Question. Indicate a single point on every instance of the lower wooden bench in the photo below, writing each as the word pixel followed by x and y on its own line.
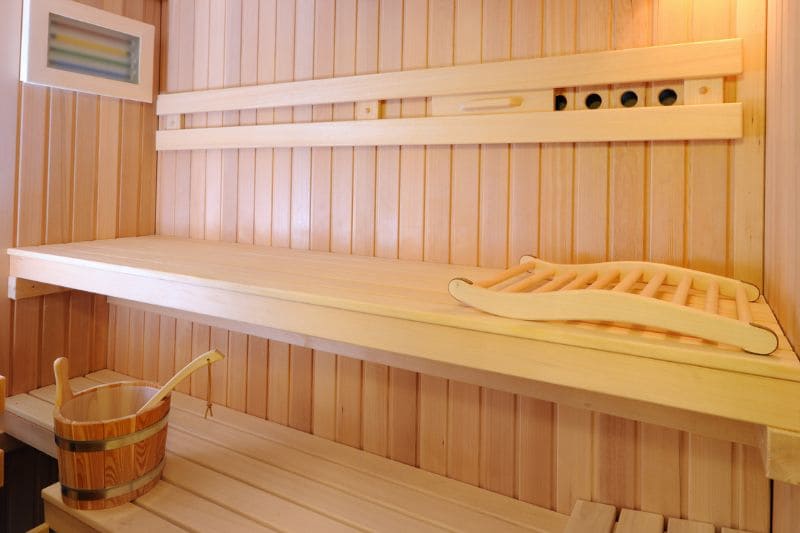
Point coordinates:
pixel 236 472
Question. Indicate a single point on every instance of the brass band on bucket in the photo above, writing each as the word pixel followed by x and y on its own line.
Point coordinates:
pixel 112 443
pixel 116 490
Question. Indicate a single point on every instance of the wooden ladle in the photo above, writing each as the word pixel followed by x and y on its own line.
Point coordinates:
pixel 203 359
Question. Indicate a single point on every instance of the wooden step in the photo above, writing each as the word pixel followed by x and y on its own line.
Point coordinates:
pixel 238 472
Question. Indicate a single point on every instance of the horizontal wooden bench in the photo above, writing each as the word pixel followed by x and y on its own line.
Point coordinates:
pixel 399 313
pixel 236 472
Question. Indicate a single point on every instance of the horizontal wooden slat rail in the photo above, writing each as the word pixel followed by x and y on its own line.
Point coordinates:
pixel 712 121
pixel 706 59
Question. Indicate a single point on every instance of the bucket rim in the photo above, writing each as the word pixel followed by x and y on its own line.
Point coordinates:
pixel 58 416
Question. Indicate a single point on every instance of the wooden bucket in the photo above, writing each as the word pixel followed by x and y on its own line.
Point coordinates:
pixel 107 454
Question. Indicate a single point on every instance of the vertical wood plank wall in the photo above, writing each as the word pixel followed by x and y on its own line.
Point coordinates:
pixel 782 223
pixel 84 168
pixel 683 203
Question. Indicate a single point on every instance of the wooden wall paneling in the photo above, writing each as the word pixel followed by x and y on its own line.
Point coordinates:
pixel 363 222
pixel 200 343
pixel 183 11
pixel 573 456
pixel 660 470
pixel 152 341
pixel 167 342
pixel 493 190
pixel 323 394
pixel 497 465
pixel 782 238
pixel 344 64
pixel 387 186
pixel 432 430
pixel 101 326
pixel 535 439
pixel 219 340
pixel 615 450
pixel 557 171
pixel 197 159
pixel 108 137
pixel 83 225
pixel 710 461
pixel 58 219
pixel 403 384
pixel 85 167
pixel 112 337
pixel 523 201
pixel 79 343
pixel 282 177
pixel 245 194
pixel 633 27
pixel 238 367
pixel 751 489
pixel 573 426
pixel 262 202
pixel 710 480
pixel 375 431
pixel 667 186
pixel 278 382
pixel 591 187
pixel 463 410
pixel 257 370
pixel 320 204
pixel 348 371
pixel 122 322
pixel 146 225
pixel 183 353
pixel 130 153
pixel 301 363
pixel 165 213
pixel 707 173
pixel 348 401
pixel 10 94
pixel 230 158
pixel 278 385
pixel 135 360
pixel 660 474
pixel 786 515
pixel 464 219
pixel 216 79
pixel 424 203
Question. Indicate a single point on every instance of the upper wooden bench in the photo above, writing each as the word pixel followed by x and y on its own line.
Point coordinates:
pixel 399 313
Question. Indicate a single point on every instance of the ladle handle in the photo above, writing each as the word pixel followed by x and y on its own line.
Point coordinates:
pixel 203 359
pixel 63 388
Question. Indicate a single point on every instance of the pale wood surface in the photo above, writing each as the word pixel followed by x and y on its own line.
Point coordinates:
pixel 591 516
pixel 709 121
pixel 66 169
pixel 687 60
pixel 639 522
pixel 397 295
pixel 676 525
pixel 649 214
pixel 250 473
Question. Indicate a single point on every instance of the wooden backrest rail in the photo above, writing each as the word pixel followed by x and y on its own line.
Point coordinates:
pixel 707 59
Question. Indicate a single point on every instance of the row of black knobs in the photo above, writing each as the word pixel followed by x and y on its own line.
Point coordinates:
pixel 627 99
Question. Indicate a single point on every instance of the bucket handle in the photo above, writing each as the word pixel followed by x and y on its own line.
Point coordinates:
pixel 63 388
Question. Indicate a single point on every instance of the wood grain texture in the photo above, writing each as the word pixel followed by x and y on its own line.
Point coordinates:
pixel 782 192
pixel 433 203
pixel 782 238
pixel 84 169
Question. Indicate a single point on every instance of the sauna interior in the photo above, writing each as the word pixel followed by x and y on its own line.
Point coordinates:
pixel 356 393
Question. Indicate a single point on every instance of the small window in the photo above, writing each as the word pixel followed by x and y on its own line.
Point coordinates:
pixel 74 46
